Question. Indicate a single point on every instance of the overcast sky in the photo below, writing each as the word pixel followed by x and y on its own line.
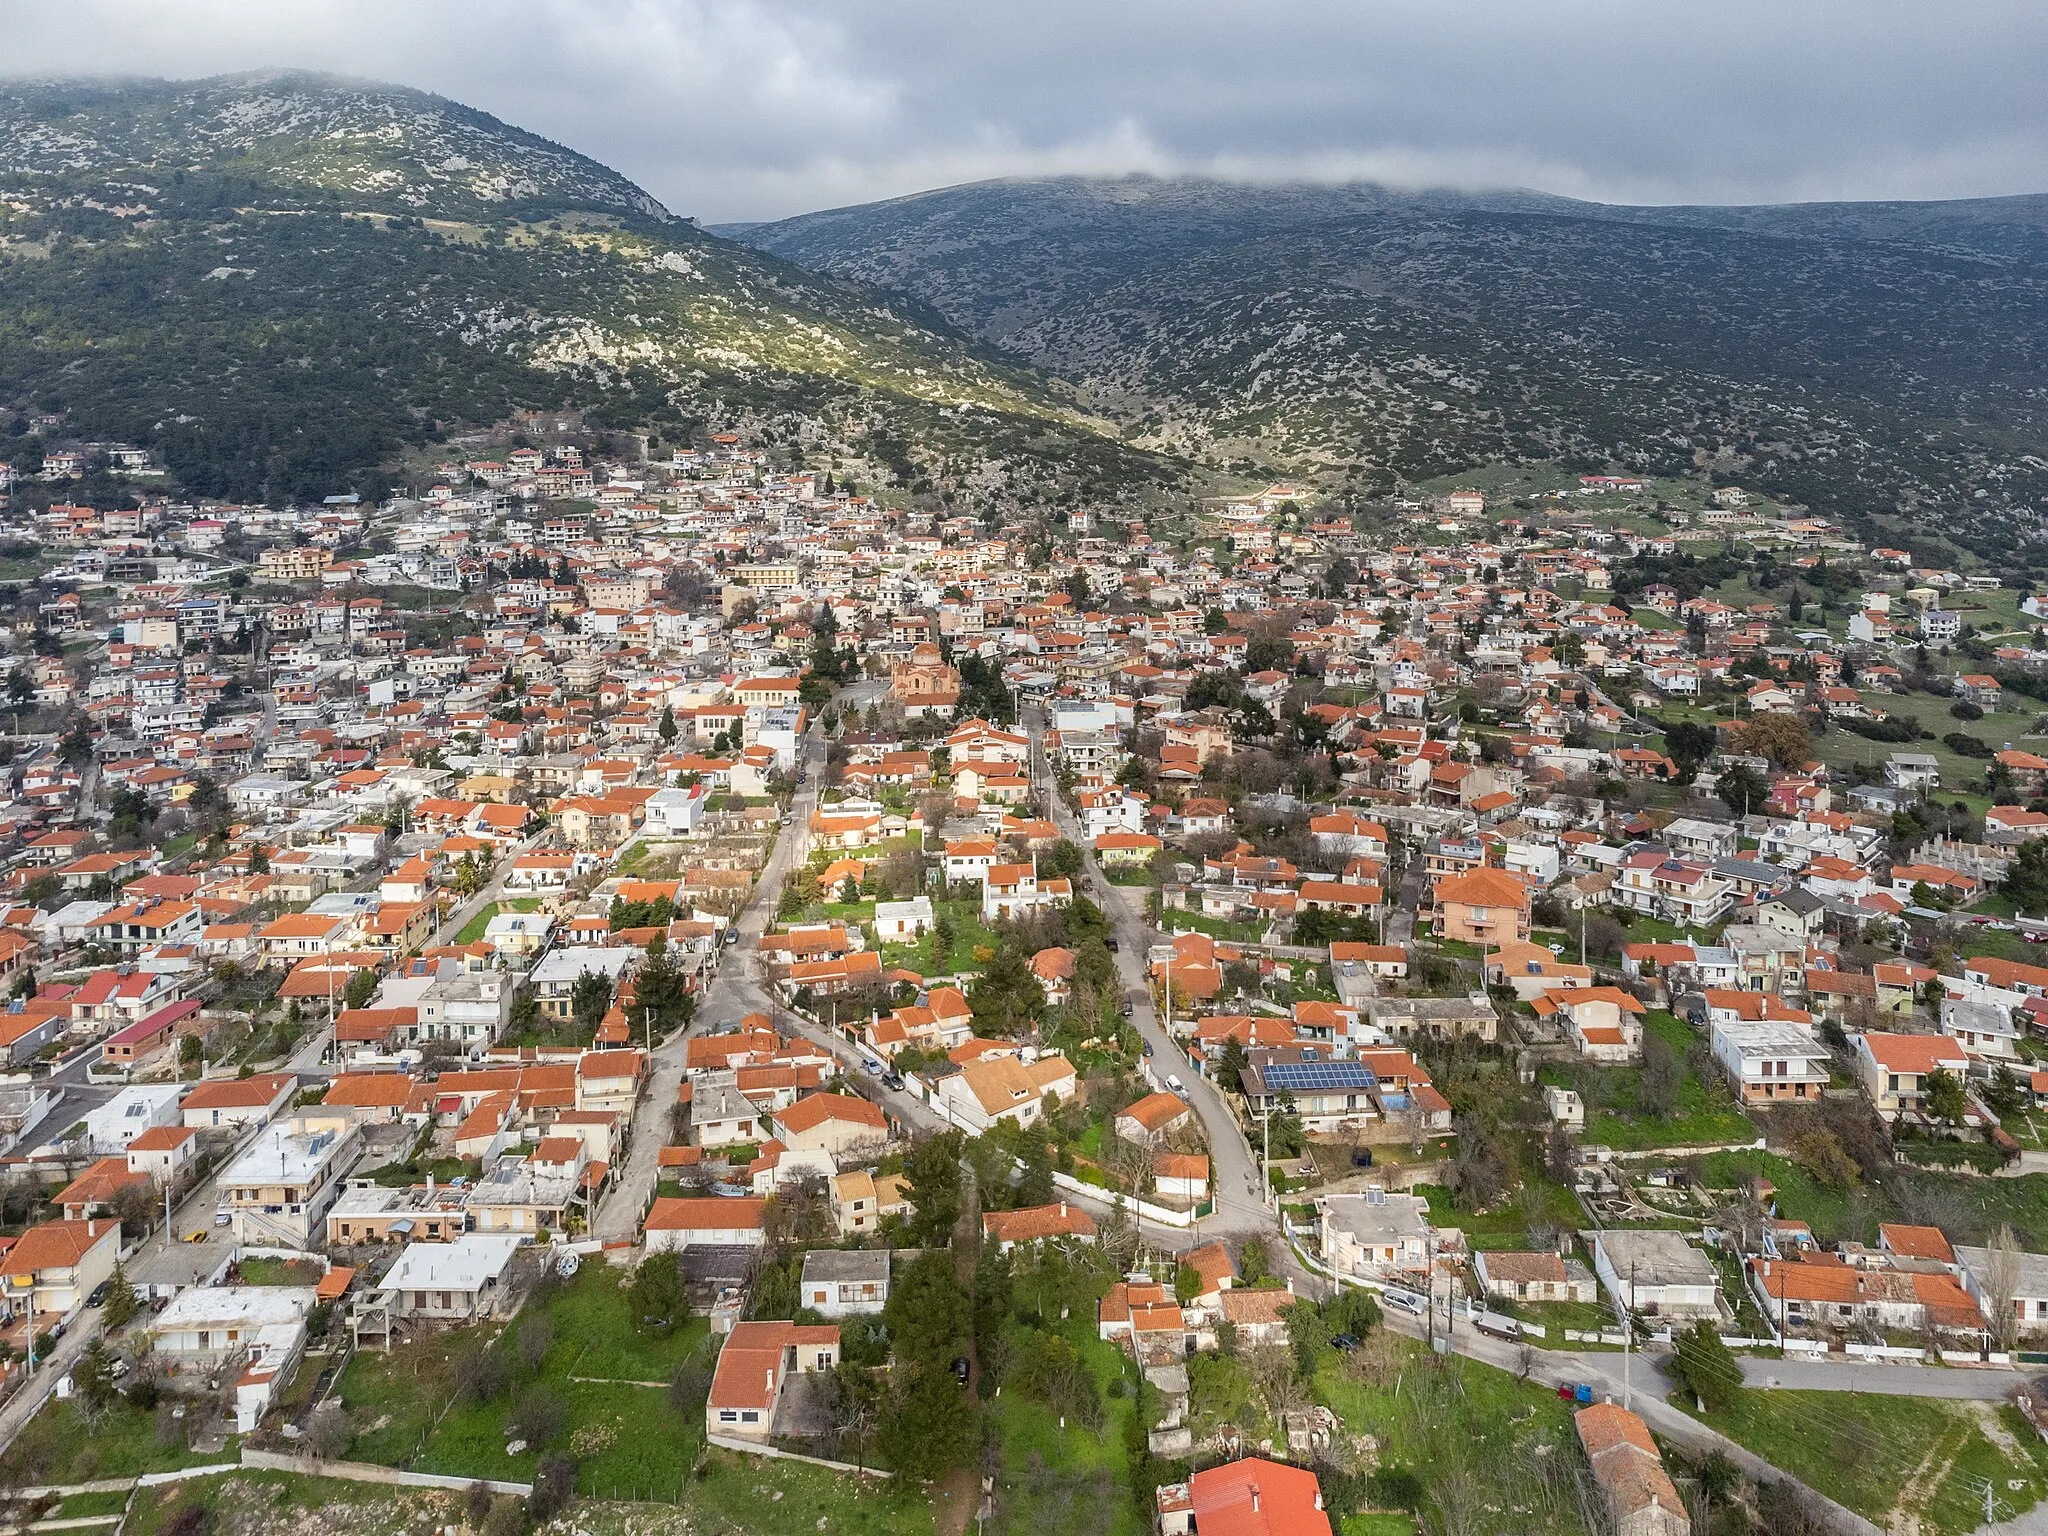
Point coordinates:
pixel 745 109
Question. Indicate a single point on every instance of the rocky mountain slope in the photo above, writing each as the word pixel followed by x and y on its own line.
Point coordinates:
pixel 1883 362
pixel 279 281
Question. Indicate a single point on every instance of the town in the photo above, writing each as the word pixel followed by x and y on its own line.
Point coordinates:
pixel 650 974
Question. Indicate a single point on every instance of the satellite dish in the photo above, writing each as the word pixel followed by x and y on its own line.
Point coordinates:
pixel 567 1265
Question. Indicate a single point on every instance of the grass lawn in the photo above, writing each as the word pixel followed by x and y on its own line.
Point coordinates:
pixel 621 1435
pixel 1970 1209
pixel 58 1447
pixel 1174 921
pixel 1054 1481
pixel 279 1272
pixel 969 934
pixel 1472 1434
pixel 1507 1225
pixel 1706 1113
pixel 1883 1456
pixel 474 928
pixel 1841 749
pixel 1377 1524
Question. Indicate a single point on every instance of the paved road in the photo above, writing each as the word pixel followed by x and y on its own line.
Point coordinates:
pixel 1241 1208
pixel 23 1405
pixel 1965 1383
pixel 735 990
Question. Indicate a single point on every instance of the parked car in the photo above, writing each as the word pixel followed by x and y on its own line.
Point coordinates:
pixel 893 1081
pixel 99 1293
pixel 1128 1009
pixel 1176 1085
pixel 1110 944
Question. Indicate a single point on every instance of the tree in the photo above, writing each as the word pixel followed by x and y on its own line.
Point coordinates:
pixel 1705 1367
pixel 1689 744
pixel 1946 1099
pixel 933 1169
pixel 927 1427
pixel 93 1377
pixel 656 1295
pixel 1187 1284
pixel 930 1317
pixel 1782 739
pixel 1663 1073
pixel 1253 1262
pixel 589 998
pixel 539 1415
pixel 1231 1064
pixel 362 986
pixel 1006 998
pixel 2002 1286
pixel 2027 881
pixel 122 1303
pixel 1743 790
pixel 667 728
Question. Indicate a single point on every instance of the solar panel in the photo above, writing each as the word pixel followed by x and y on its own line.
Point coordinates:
pixel 1320 1076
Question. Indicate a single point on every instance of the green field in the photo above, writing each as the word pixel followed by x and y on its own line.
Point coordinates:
pixel 1055 1480
pixel 1886 1457
pixel 59 1447
pixel 1476 1438
pixel 1706 1113
pixel 1970 1209
pixel 969 934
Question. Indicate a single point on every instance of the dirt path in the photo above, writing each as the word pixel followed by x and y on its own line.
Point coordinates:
pixel 953 1499
pixel 1920 1487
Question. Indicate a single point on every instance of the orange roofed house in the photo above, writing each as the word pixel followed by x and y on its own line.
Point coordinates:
pixel 753 1368
pixel 1252 1497
pixel 1626 1464
pixel 1482 906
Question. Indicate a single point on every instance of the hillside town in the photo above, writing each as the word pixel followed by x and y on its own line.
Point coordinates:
pixel 714 930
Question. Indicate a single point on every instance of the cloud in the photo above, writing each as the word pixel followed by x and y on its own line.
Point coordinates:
pixel 736 109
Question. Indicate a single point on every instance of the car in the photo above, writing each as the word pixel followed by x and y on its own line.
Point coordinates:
pixel 872 1067
pixel 1406 1301
pixel 1110 944
pixel 223 1219
pixel 893 1081
pixel 99 1293
pixel 1148 1047
pixel 196 1237
pixel 1345 1342
pixel 1128 1009
pixel 1176 1085
pixel 732 935
pixel 2035 938
pixel 961 1369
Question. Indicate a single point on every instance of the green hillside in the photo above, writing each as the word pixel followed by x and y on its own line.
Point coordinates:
pixel 280 282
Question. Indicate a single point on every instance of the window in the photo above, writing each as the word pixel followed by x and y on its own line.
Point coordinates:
pixel 727 1416
pixel 750 1417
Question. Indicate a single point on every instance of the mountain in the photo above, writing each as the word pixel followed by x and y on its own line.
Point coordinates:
pixel 1881 362
pixel 284 282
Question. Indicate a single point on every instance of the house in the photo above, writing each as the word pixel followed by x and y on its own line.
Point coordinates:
pixel 1640 1497
pixel 1376 1235
pixel 260 1327
pixel 754 1366
pixel 1002 1088
pixel 1509 1275
pixel 279 1187
pixel 1150 1120
pixel 838 1125
pixel 1602 1023
pixel 52 1268
pixel 1036 1224
pixel 1483 907
pixel 1251 1497
pixel 232 1103
pixel 856 1204
pixel 845 1282
pixel 450 1284
pixel 2029 1288
pixel 1658 1274
pixel 692 1221
pixel 904 922
pixel 1893 1070
pixel 1808 1293
pixel 1768 1060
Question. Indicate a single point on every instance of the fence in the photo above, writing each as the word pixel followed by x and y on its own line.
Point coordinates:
pixel 750 1448
pixel 370 1472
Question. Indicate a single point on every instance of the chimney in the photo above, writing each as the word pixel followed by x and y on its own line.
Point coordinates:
pixel 1255 1498
pixel 1063 1210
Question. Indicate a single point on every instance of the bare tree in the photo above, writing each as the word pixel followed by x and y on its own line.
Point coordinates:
pixel 2002 1285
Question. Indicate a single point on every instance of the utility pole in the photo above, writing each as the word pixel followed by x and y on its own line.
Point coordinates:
pixel 1628 1337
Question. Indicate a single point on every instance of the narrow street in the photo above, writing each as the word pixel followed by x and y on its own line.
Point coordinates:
pixel 1240 1205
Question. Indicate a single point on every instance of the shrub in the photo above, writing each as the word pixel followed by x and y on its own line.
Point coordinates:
pixel 1963 709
